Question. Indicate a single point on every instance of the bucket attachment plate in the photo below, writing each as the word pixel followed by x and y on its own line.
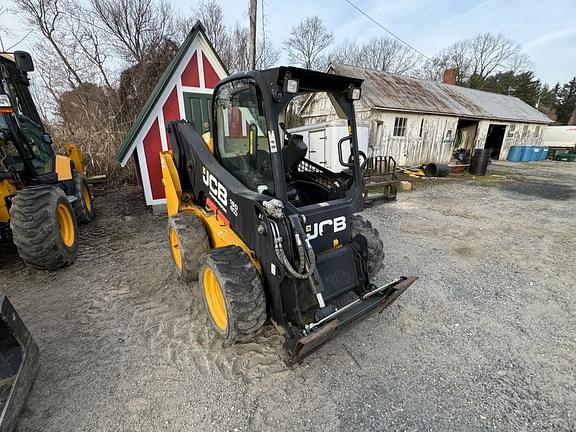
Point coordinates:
pixel 18 364
pixel 322 331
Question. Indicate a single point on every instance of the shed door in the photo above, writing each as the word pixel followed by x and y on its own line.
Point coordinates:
pixel 317 147
pixel 197 108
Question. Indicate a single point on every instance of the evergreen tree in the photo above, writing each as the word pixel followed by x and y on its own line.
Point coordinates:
pixel 523 85
pixel 566 101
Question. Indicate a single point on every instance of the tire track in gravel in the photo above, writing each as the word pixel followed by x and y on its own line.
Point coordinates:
pixel 127 257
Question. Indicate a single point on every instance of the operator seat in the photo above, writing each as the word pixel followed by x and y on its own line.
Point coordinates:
pixel 292 154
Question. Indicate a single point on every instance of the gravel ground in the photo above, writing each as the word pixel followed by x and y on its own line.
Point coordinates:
pixel 485 340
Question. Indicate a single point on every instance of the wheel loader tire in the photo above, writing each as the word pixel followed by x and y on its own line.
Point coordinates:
pixel 188 241
pixel 359 225
pixel 44 227
pixel 233 293
pixel 84 204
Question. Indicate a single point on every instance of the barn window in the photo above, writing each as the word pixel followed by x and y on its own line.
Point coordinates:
pixel 421 127
pixel 400 126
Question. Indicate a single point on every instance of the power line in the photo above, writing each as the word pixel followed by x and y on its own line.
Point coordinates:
pixel 20 41
pixel 386 30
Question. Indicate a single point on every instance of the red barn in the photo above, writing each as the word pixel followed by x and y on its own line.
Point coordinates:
pixel 184 91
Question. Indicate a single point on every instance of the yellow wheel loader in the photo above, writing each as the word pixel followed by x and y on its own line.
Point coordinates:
pixel 265 228
pixel 43 197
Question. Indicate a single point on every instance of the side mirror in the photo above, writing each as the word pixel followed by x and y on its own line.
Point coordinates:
pixel 24 61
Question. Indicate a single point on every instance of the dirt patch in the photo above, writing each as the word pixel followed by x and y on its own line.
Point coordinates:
pixel 484 340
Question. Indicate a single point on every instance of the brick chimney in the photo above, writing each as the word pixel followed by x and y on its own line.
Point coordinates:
pixel 449 76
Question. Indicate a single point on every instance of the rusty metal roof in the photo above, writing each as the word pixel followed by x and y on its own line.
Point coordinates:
pixel 402 93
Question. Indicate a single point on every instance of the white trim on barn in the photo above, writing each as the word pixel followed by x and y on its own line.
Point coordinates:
pixel 178 77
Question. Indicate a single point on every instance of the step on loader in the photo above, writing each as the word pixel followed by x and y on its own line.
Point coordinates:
pixel 269 234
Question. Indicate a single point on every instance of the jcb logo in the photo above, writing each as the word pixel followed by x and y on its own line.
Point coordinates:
pixel 217 189
pixel 317 229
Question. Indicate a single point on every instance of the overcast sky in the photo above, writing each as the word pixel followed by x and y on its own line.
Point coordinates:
pixel 546 30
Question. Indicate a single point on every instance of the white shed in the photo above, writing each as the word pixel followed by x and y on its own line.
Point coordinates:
pixel 418 121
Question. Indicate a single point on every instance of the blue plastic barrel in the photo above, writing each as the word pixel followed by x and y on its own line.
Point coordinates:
pixel 544 153
pixel 515 153
pixel 536 153
pixel 526 154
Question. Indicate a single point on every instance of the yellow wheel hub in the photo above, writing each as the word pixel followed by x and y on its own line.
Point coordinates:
pixel 175 248
pixel 214 299
pixel 66 223
pixel 86 196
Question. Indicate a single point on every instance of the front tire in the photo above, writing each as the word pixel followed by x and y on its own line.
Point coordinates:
pixel 233 293
pixel 188 241
pixel 44 227
pixel 362 226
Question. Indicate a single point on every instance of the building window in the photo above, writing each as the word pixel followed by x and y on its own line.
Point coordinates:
pixel 536 131
pixel 421 128
pixel 400 126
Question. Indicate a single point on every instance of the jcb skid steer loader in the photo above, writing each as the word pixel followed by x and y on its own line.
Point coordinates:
pixel 268 233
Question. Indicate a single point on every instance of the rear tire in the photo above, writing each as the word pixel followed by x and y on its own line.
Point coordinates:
pixel 361 226
pixel 84 204
pixel 44 227
pixel 188 241
pixel 233 293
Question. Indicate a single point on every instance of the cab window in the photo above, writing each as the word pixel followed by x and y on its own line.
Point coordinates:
pixel 242 136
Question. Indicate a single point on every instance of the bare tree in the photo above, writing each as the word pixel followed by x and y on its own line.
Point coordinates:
pixel 489 52
pixel 48 17
pixel 347 53
pixel 384 54
pixel 93 43
pixel 211 15
pixel 135 25
pixel 3 31
pixel 307 43
pixel 477 58
pixel 456 56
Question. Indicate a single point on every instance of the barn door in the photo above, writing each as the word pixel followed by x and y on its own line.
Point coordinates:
pixel 197 107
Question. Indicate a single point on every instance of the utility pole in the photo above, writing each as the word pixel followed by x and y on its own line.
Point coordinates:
pixel 252 52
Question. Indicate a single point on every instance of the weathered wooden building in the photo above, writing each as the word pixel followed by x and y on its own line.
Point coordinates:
pixel 418 121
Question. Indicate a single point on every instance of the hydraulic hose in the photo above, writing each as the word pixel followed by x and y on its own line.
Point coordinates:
pixel 306 256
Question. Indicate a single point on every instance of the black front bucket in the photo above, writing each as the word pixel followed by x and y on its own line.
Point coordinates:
pixel 302 345
pixel 18 364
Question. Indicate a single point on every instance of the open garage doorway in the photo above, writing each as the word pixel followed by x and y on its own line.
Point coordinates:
pixel 494 139
pixel 466 134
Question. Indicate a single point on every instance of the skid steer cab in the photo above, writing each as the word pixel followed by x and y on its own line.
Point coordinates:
pixel 268 233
